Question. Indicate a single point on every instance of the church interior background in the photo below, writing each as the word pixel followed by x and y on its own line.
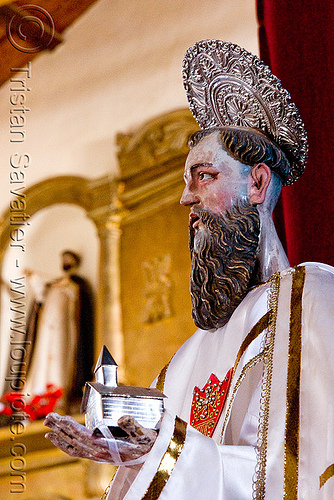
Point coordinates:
pixel 101 162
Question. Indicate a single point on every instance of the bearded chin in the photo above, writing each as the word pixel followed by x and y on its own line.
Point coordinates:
pixel 223 255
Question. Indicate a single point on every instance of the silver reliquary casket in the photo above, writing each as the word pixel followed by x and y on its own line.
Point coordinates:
pixel 104 402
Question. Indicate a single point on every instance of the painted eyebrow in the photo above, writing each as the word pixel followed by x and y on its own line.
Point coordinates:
pixel 200 165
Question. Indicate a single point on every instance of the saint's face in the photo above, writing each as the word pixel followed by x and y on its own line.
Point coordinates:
pixel 68 262
pixel 214 180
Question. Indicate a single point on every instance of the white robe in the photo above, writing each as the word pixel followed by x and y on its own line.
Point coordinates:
pixel 274 438
pixel 57 336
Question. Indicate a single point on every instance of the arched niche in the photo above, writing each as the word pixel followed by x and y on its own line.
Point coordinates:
pixel 58 193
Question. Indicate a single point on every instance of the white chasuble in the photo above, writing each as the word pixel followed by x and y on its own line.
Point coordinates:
pixel 273 437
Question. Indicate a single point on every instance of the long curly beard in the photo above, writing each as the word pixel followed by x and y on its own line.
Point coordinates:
pixel 223 255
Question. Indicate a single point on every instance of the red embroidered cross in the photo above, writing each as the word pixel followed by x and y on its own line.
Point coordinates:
pixel 208 403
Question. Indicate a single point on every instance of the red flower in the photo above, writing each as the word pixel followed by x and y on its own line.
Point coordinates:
pixel 38 407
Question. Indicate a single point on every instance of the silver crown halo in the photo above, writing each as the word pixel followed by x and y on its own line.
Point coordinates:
pixel 228 86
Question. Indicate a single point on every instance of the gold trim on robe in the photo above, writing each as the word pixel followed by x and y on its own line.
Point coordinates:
pixel 268 353
pixel 161 378
pixel 168 461
pixel 329 472
pixel 291 443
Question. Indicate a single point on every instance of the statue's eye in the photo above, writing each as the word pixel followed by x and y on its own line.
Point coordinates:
pixel 203 176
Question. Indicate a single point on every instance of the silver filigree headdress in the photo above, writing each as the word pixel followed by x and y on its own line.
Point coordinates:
pixel 228 86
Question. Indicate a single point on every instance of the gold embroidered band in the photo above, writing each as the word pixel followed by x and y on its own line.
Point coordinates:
pixel 329 472
pixel 259 485
pixel 168 461
pixel 161 378
pixel 257 329
pixel 291 443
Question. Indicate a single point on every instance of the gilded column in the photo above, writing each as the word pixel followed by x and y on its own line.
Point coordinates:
pixel 109 309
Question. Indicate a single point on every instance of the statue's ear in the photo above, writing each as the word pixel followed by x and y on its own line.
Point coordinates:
pixel 259 181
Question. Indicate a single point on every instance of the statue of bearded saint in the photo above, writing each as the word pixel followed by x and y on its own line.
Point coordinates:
pixel 231 235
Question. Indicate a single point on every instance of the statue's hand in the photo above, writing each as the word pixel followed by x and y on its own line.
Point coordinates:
pixel 78 441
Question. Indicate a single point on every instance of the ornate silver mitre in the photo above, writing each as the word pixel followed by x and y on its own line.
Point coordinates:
pixel 228 86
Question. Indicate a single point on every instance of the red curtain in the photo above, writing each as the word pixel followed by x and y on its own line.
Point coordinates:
pixel 297 42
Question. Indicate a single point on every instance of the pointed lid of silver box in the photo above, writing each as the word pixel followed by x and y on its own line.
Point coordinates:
pixel 106 369
pixel 105 359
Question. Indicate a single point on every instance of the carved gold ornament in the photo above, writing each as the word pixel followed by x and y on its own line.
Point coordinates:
pixel 228 86
pixel 157 288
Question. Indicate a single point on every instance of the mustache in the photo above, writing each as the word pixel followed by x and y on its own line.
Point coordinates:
pixel 234 230
pixel 223 255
